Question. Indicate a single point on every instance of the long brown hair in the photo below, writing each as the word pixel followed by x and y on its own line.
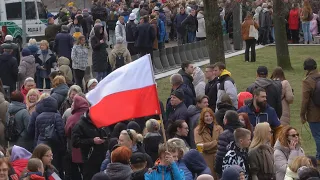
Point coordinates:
pixel 307 7
pixel 201 119
pixel 278 74
pixel 283 136
pixel 246 121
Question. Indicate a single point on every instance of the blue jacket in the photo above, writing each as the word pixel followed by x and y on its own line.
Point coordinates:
pixel 268 115
pixel 177 22
pixel 63 44
pixel 187 173
pixel 196 163
pixel 60 94
pixel 162 31
pixel 156 173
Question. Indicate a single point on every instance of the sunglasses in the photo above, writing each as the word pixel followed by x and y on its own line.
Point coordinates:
pixel 294 135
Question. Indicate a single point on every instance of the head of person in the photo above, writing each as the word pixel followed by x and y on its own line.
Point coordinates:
pixel 230 117
pixel 287 135
pixel 193 12
pixel 262 72
pixel 309 65
pixel 44 45
pixel 132 17
pixel 121 19
pixel 242 137
pixel 35 165
pixel 176 80
pixel 306 173
pixel 278 74
pixel 182 10
pixel 138 161
pixel 299 162
pixel 225 99
pixel 73 91
pixel 180 145
pixel 58 80
pixel 218 68
pixel 295 5
pixel 244 120
pixel 29 84
pixel 17 96
pixel 130 138
pixel 152 125
pixel 44 153
pixel 262 135
pixel 249 15
pixel 121 154
pixel 162 152
pixel 25 52
pixel 4 168
pixel 81 40
pixel 207 117
pixel 233 172
pixel 32 41
pixel 187 67
pixel 54 74
pixel 260 99
pixel 209 72
pixel 50 20
pixel 145 19
pixel 202 101
pixel 179 127
pixel 119 40
pixel 32 96
pixel 92 83
pixel 205 177
pixel 7 48
pixel 176 98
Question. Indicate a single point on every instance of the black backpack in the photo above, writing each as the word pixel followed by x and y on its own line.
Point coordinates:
pixel 119 61
pixel 316 92
pixel 11 131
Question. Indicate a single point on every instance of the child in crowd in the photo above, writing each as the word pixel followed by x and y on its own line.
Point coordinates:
pixel 35 170
pixel 238 151
pixel 233 172
pixel 77 34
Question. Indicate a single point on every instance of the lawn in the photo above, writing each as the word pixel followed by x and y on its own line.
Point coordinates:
pixel 244 74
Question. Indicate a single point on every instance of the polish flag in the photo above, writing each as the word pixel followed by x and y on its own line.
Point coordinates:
pixel 128 92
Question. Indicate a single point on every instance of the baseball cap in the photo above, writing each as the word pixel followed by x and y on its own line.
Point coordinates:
pixel 138 157
pixel 262 70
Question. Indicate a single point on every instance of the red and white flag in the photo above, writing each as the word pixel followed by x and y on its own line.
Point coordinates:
pixel 128 92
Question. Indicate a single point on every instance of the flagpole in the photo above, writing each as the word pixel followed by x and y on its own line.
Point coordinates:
pixel 160 115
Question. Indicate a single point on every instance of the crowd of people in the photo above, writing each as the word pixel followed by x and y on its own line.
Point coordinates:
pixel 213 130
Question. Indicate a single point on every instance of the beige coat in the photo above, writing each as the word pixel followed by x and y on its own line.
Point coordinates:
pixel 3 110
pixel 210 143
pixel 287 99
pixel 118 50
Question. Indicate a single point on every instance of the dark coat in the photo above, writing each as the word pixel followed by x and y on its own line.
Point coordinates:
pixel 177 113
pixel 99 12
pixel 177 23
pixel 145 36
pixel 193 121
pixel 222 109
pixel 196 163
pixel 9 71
pixel 190 23
pixel 187 79
pixel 211 91
pixel 51 31
pixel 224 140
pixel 189 98
pixel 131 30
pixel 48 63
pixel 16 51
pixel 60 93
pixel 99 52
pixel 139 175
pixel 63 44
pixel 151 144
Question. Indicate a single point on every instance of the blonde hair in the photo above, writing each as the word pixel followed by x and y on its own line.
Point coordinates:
pixel 32 41
pixel 43 96
pixel 135 137
pixel 299 162
pixel 179 143
pixel 152 125
pixel 44 42
pixel 34 164
pixel 58 80
pixel 32 91
pixel 261 135
pixel 121 18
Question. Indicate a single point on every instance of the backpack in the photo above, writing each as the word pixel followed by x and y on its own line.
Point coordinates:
pixel 316 92
pixel 119 61
pixel 11 131
pixel 227 78
pixel 51 134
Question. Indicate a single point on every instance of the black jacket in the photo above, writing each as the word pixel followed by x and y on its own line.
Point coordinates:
pixel 190 23
pixel 16 51
pixel 99 52
pixel 139 175
pixel 211 91
pixel 222 109
pixel 177 113
pixel 99 12
pixel 151 144
pixel 187 79
pixel 131 30
pixel 9 71
pixel 63 44
pixel 145 36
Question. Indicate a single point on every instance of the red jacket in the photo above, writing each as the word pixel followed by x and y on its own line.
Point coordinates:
pixel 19 166
pixel 293 19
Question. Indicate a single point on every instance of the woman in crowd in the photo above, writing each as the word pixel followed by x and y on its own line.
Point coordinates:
pixel 18 157
pixel 32 46
pixel 293 22
pixel 31 100
pixel 119 167
pixel 199 81
pixel 76 24
pixel 250 41
pixel 79 56
pixel 73 90
pixel 306 16
pixel 60 90
pixel 3 112
pixel 286 96
pixel 152 139
pixel 201 32
pixel 44 153
pixel 287 148
pixel 179 129
pixel 244 119
pixel 207 133
pixel 261 153
pixel 6 170
pixel 292 170
pixel 45 60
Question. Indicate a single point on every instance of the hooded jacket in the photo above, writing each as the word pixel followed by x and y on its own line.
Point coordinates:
pixel 19 159
pixel 159 171
pixel 196 163
pixel 201 32
pixel 33 49
pixel 120 31
pixel 199 82
pixel 60 93
pixel 119 171
pixel 27 68
pixel 64 66
pixel 222 109
pixel 187 80
pixel 283 156
pixel 178 112
pixel 119 50
pixel 257 14
pixel 227 86
pixel 131 29
pixel 9 70
pixel 193 113
pixel 273 90
pixel 99 52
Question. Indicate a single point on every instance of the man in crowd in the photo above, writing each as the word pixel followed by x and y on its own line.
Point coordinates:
pixel 8 39
pixel 186 72
pixel 310 105
pixel 211 87
pixel 99 12
pixel 131 29
pixel 176 109
pixel 52 30
pixel 177 82
pixel 8 67
pixel 138 163
pixel 181 31
pixel 63 43
pixel 191 24
pixel 272 88
pixel 144 37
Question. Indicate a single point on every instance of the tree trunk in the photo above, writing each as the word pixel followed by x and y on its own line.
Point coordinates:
pixel 283 58
pixel 214 31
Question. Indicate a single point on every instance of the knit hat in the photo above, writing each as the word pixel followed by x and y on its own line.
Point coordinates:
pixel 64 28
pixel 262 70
pixel 135 126
pixel 6 46
pixel 232 173
pixel 91 81
pixel 179 94
pixel 138 157
pixel 25 52
pixel 119 40
pixel 132 16
pixel 8 38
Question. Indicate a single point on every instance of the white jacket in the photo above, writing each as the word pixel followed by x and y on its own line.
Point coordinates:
pixel 201 26
pixel 120 31
pixel 290 175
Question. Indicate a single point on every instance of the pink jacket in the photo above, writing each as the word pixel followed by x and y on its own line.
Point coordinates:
pixel 314 25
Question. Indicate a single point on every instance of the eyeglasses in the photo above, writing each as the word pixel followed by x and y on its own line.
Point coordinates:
pixel 294 135
pixel 130 134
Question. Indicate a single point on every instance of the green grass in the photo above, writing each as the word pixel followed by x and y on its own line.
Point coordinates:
pixel 244 74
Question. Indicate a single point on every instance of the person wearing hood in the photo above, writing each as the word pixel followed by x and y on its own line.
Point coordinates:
pixel 63 42
pixel 195 162
pixel 100 62
pixel 3 113
pixel 64 67
pixel 97 23
pixel 65 109
pixel 287 148
pixel 120 30
pixel 18 111
pixel 201 32
pixel 118 52
pixel 250 41
pixel 79 106
pixel 27 67
pixel 233 172
pixel 186 71
pixel 223 107
pixel 193 113
pixel 131 29
pixel 19 157
pixel 199 81
pixel 272 88
pixel 86 136
pixel 60 90
pixel 293 21
pixel 226 84
pixel 138 163
pixel 8 67
pixel 257 14
pixel 8 39
pixel 231 123
pixel 45 60
pixel 265 23
pixel 207 134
